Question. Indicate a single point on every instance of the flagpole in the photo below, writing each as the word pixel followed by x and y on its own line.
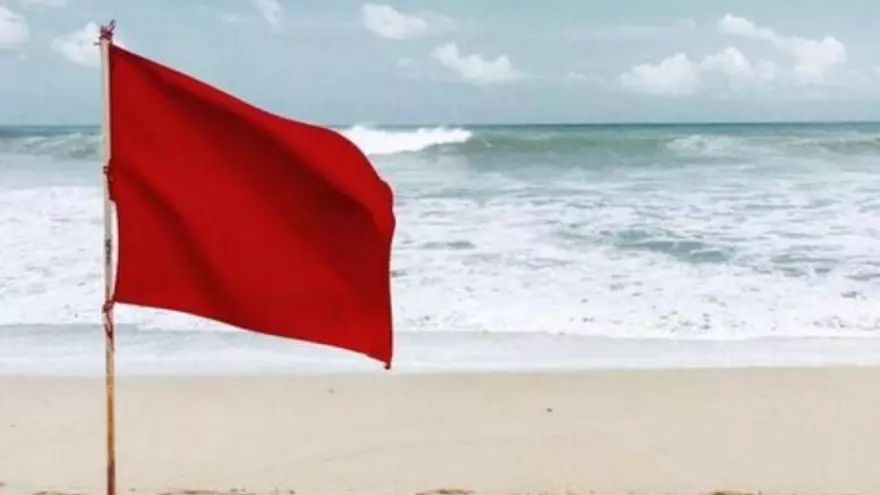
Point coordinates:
pixel 106 38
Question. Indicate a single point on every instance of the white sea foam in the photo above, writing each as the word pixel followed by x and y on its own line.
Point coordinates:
pixel 698 257
pixel 374 141
pixel 734 249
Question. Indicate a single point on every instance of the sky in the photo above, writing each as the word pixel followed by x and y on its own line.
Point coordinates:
pixel 463 61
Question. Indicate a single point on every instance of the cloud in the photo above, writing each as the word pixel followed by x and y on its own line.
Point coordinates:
pixel 80 48
pixel 675 75
pixel 474 69
pixel 811 62
pixel 13 30
pixel 814 59
pixel 735 65
pixel 387 22
pixel 741 26
pixel 678 75
pixel 272 12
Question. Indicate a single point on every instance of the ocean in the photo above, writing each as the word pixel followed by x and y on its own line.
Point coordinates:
pixel 517 247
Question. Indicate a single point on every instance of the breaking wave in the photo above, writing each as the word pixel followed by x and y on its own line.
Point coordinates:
pixel 387 142
pixel 604 141
pixel 583 230
pixel 83 143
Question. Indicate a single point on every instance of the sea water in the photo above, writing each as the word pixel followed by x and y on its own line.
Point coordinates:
pixel 517 247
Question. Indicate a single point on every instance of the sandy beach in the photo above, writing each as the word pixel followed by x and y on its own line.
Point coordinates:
pixel 609 248
pixel 686 431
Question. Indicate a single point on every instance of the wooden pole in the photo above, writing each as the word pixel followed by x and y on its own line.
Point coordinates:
pixel 107 311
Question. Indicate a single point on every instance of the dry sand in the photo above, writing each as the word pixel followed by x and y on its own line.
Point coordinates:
pixel 657 432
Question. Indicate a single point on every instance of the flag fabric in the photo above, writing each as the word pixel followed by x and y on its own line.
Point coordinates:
pixel 228 212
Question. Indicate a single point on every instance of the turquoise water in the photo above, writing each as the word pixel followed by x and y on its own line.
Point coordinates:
pixel 648 233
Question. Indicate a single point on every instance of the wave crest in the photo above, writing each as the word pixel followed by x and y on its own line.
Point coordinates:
pixel 614 143
pixel 77 144
pixel 84 144
pixel 374 141
pixel 708 144
pixel 784 144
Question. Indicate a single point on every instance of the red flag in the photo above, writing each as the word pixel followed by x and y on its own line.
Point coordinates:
pixel 228 212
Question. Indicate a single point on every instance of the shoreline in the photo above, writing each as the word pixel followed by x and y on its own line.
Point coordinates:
pixel 773 430
pixel 78 350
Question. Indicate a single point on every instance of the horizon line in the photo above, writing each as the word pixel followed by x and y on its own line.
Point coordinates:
pixel 532 123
